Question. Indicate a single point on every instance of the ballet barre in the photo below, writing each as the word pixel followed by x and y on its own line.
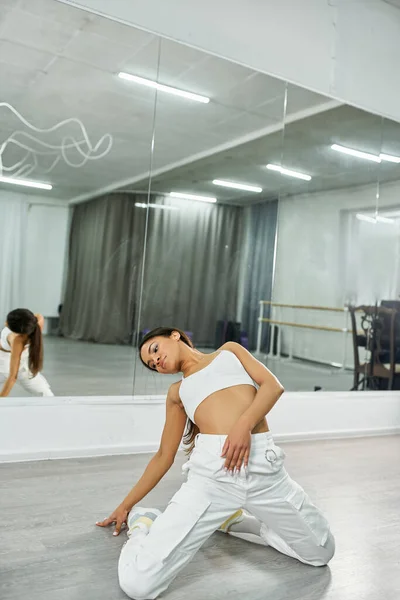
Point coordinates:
pixel 306 326
pixel 304 306
pixel 276 325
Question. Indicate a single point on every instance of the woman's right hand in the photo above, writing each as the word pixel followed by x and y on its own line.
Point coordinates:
pixel 119 517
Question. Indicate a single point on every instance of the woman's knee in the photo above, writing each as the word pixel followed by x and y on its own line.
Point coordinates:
pixel 323 554
pixel 136 585
pixel 141 576
pixel 48 393
pixel 329 548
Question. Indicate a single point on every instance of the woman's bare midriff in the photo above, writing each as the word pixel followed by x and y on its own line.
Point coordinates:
pixel 219 412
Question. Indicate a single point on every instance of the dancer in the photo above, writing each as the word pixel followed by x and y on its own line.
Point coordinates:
pixel 21 353
pixel 234 465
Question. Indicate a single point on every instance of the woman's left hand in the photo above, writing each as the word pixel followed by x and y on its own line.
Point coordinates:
pixel 236 450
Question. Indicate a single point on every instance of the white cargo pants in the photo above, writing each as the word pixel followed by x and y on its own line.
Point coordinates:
pixel 290 522
pixel 37 386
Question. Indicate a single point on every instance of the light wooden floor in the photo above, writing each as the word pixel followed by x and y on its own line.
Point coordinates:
pixel 51 550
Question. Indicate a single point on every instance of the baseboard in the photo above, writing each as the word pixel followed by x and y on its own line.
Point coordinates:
pixel 71 453
pixel 335 435
pixel 57 401
pixel 62 454
pixel 62 428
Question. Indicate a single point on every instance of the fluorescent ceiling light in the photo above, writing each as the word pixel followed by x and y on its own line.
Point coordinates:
pixel 366 218
pixel 358 153
pixel 392 213
pixel 370 219
pixel 164 88
pixel 192 197
pixel 381 219
pixel 238 186
pixel 288 172
pixel 390 158
pixel 163 206
pixel 33 184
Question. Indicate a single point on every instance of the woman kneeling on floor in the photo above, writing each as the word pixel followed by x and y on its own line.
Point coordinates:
pixel 236 479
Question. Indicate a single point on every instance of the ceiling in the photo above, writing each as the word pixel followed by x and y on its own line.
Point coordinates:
pixel 305 147
pixel 393 2
pixel 58 62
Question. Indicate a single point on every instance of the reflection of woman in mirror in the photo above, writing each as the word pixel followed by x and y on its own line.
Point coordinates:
pixel 234 465
pixel 21 353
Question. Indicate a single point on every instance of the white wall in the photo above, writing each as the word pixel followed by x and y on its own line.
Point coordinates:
pixel 45 257
pixel 42 258
pixel 34 429
pixel 345 49
pixel 312 260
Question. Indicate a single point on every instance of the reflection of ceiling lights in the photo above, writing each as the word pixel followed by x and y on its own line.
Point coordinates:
pixel 381 219
pixel 163 206
pixel 192 197
pixel 32 184
pixel 288 172
pixel 377 219
pixel 352 152
pixel 390 158
pixel 164 88
pixel 366 155
pixel 393 213
pixel 238 186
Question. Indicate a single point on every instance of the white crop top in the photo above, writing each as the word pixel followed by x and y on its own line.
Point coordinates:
pixel 3 339
pixel 224 371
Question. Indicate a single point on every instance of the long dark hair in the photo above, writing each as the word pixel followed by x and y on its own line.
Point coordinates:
pixel 191 430
pixel 23 321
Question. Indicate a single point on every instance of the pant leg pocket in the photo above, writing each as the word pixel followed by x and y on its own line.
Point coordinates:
pixel 312 518
pixel 171 530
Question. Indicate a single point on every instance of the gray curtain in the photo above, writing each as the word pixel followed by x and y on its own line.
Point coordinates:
pixel 105 254
pixel 259 247
pixel 193 262
pixel 203 263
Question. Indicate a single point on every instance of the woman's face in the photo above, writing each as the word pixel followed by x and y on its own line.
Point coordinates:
pixel 162 353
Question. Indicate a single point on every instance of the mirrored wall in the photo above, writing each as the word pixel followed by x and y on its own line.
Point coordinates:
pixel 189 191
pixel 77 130
pixel 310 281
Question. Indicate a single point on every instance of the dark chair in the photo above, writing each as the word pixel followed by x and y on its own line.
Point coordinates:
pixel 385 340
pixel 361 369
pixel 381 371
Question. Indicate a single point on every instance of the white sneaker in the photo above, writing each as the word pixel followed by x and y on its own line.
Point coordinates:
pixel 141 518
pixel 237 517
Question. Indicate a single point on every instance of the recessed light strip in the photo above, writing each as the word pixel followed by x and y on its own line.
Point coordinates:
pixel 366 218
pixel 366 155
pixel 357 153
pixel 289 172
pixel 390 158
pixel 163 206
pixel 33 184
pixel 192 197
pixel 238 186
pixel 378 218
pixel 164 88
pixel 381 219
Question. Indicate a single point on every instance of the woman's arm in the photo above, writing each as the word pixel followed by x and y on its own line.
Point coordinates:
pixel 161 462
pixel 16 350
pixel 164 458
pixel 236 450
pixel 270 388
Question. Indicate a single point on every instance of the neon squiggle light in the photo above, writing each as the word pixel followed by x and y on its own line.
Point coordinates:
pixel 35 148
